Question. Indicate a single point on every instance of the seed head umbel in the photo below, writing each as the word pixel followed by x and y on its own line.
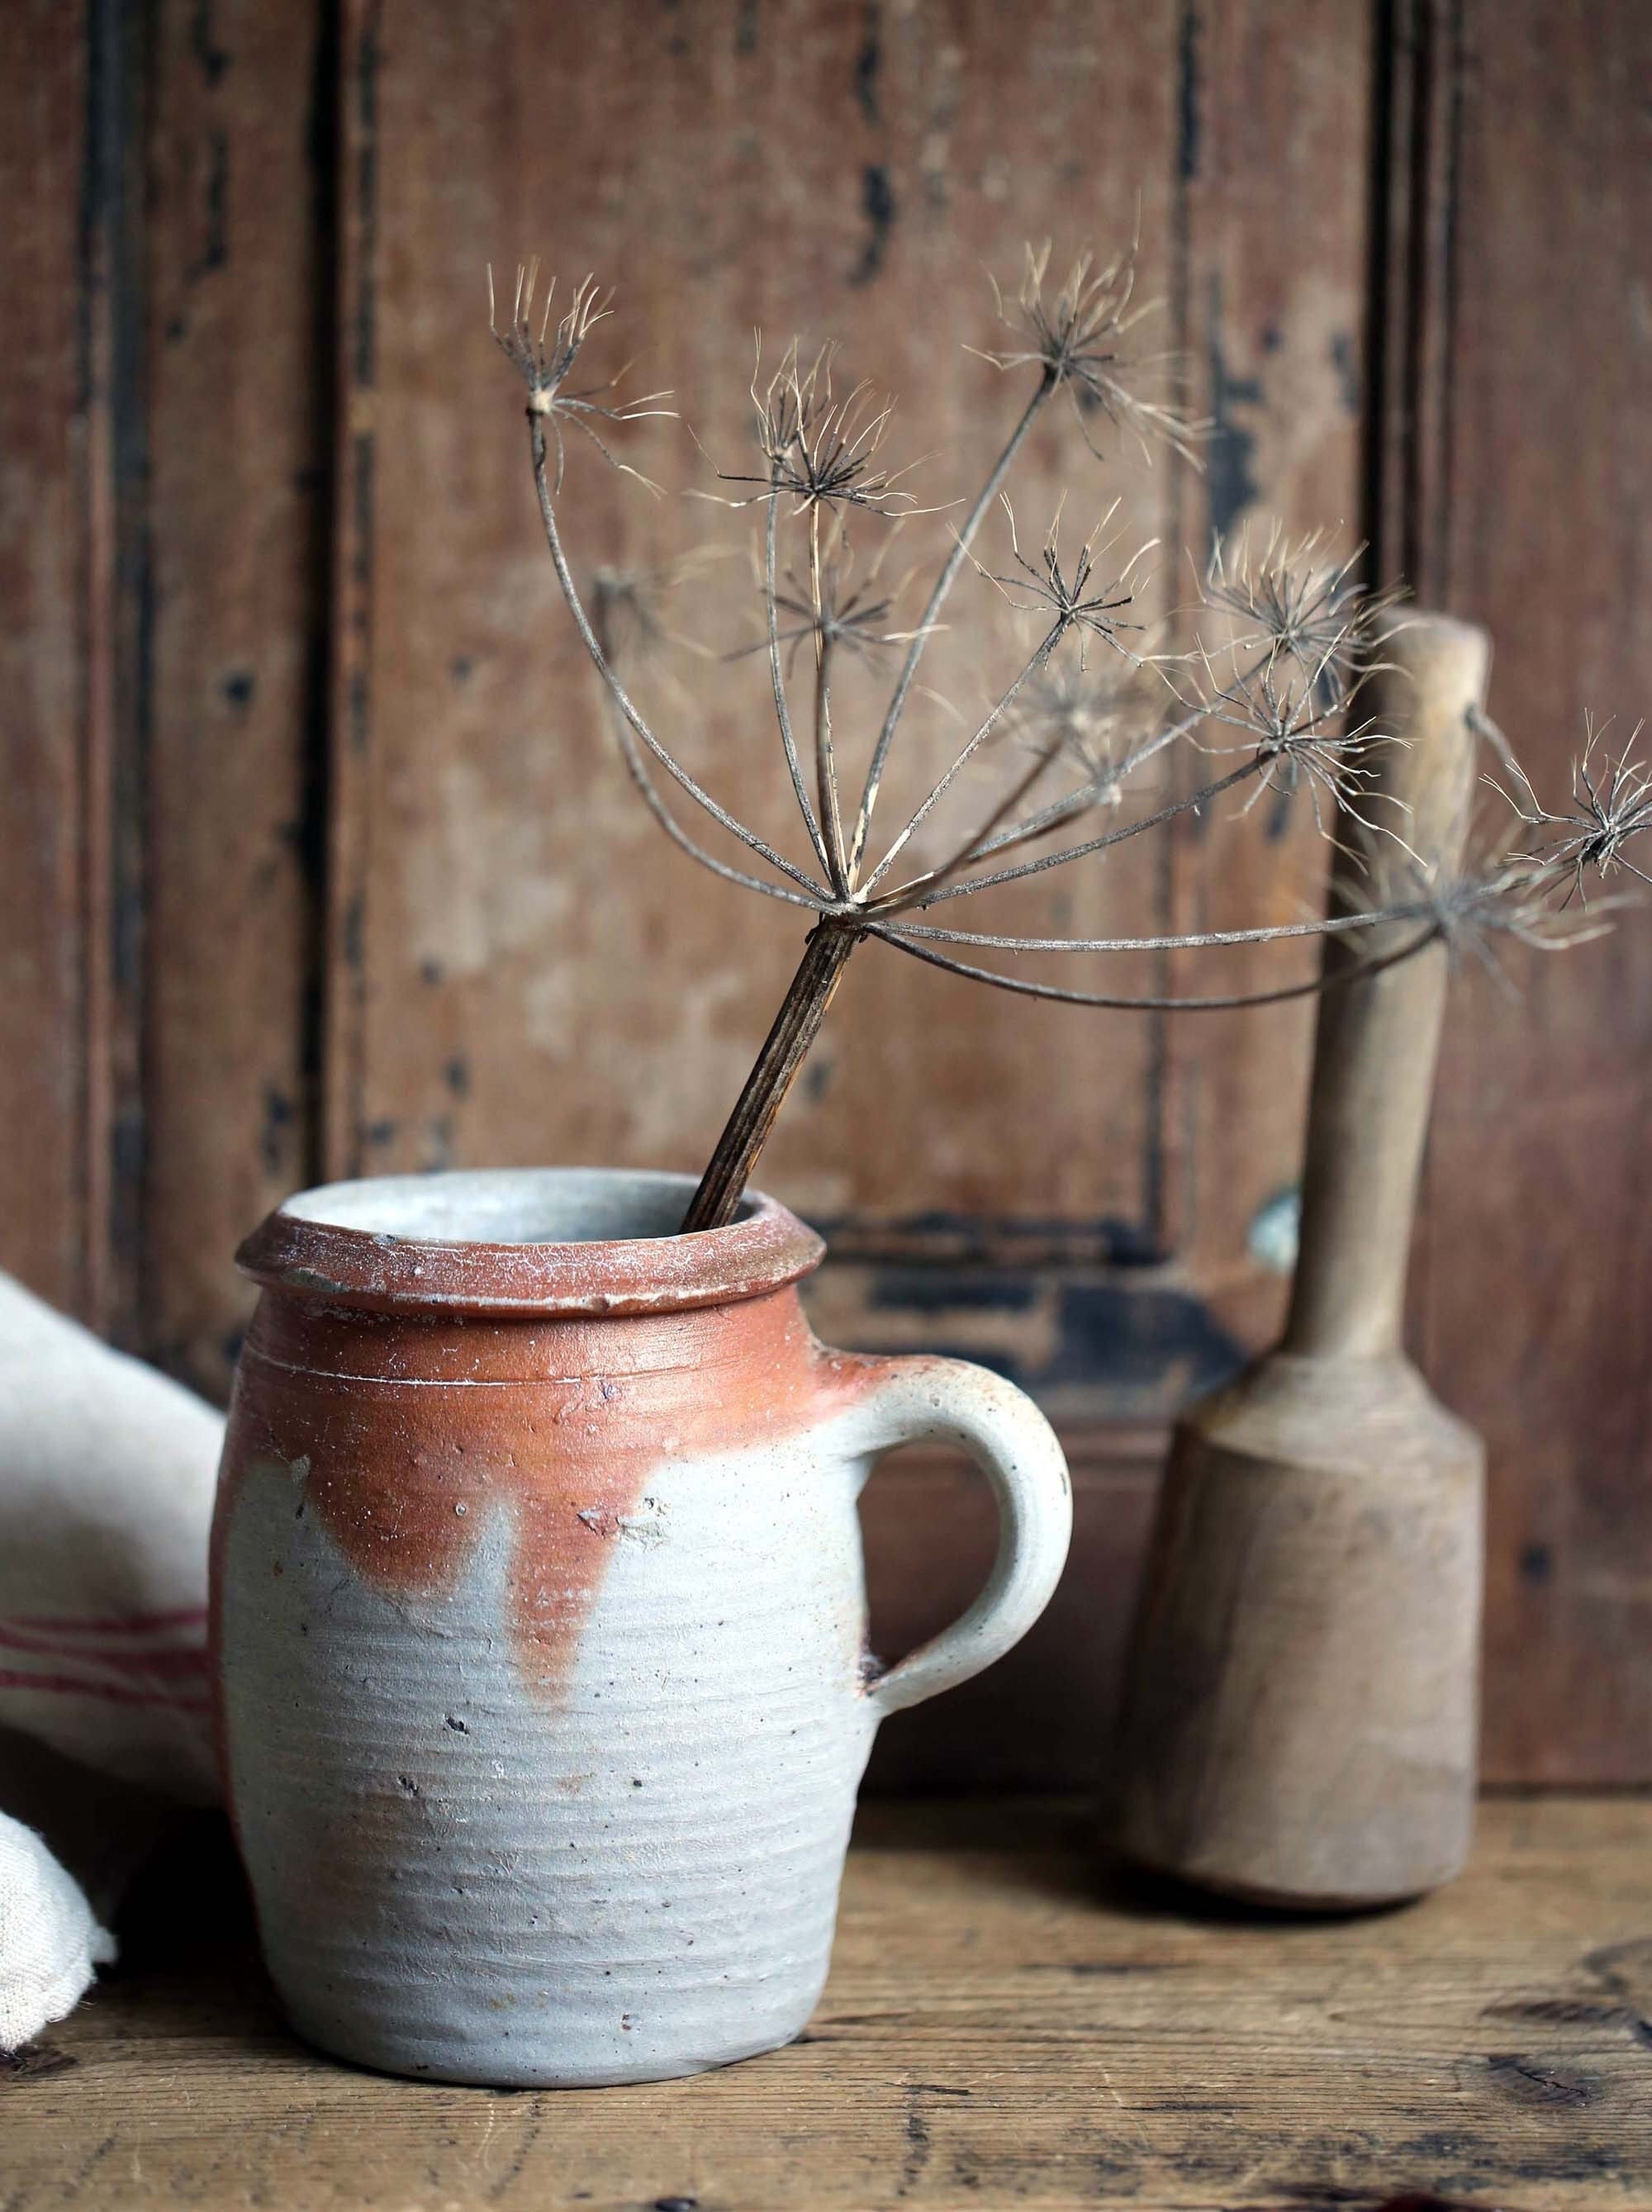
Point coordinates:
pixel 1083 337
pixel 1611 806
pixel 1301 601
pixel 1299 737
pixel 819 451
pixel 544 359
pixel 1071 596
pixel 856 613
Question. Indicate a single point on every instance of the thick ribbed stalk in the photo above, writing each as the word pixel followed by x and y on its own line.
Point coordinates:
pixel 796 1025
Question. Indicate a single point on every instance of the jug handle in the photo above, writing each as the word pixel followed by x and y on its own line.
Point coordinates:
pixel 934 1401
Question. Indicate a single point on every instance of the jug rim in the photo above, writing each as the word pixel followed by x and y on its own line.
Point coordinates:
pixel 396 1243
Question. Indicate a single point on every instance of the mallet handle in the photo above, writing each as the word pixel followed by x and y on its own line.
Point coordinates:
pixel 1377 1040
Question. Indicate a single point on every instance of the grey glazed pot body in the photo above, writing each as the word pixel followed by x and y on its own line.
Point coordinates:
pixel 540 1619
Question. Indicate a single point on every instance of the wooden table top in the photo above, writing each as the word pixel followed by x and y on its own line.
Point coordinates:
pixel 1008 2022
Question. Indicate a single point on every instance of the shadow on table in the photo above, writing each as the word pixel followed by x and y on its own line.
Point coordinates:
pixel 189 1951
pixel 1059 1850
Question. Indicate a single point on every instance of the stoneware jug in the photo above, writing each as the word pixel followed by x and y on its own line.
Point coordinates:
pixel 540 1618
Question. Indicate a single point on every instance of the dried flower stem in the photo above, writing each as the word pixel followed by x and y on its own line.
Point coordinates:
pixel 795 1027
pixel 1300 635
pixel 1052 817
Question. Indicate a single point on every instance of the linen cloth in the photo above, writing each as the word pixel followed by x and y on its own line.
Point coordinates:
pixel 107 1475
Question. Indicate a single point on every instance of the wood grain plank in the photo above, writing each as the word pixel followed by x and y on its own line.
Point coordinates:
pixel 353 518
pixel 44 554
pixel 240 328
pixel 1534 1274
pixel 118 643
pixel 1046 1710
pixel 1007 2022
pixel 1277 240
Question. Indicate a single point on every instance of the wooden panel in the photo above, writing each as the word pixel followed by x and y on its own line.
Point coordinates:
pixel 517 967
pixel 1047 1709
pixel 1277 163
pixel 521 970
pixel 118 641
pixel 43 553
pixel 1535 1280
pixel 239 331
pixel 1007 2022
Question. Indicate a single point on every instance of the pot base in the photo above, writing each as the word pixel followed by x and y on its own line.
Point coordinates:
pixel 387 2054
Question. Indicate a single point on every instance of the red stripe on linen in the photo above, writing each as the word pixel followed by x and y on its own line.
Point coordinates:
pixel 115 1693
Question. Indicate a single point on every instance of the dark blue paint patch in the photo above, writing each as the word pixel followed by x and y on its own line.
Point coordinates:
pixel 940 1238
pixel 1134 1344
pixel 877 206
pixel 869 62
pixel 1131 1341
pixel 1232 467
pixel 215 208
pixel 211 58
pixel 1189 121
pixel 280 1112
pixel 944 1290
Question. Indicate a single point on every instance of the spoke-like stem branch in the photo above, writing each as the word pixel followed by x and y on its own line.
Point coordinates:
pixel 962 759
pixel 1059 811
pixel 617 690
pixel 782 712
pixel 1190 941
pixel 825 764
pixel 943 583
pixel 928 889
pixel 1342 974
pixel 1012 799
pixel 746 1132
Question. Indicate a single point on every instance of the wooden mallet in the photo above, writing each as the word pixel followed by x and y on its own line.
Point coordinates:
pixel 1302 1694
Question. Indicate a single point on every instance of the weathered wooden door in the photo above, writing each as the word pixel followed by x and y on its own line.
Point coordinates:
pixel 318 859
